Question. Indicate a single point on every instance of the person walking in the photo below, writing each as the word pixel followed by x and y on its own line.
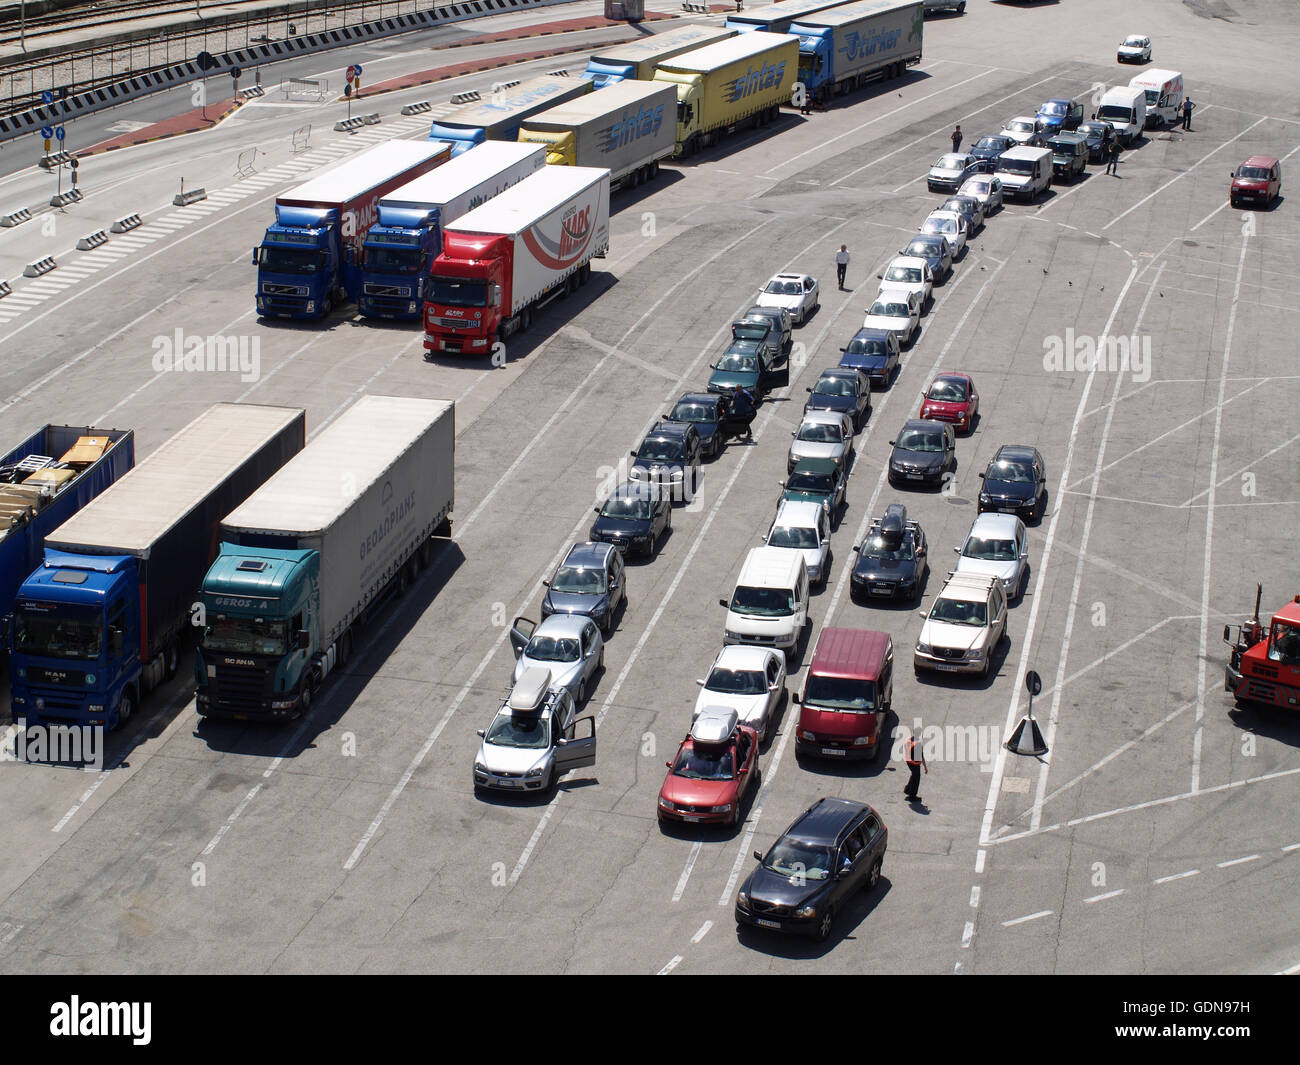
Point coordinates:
pixel 915 759
pixel 956 139
pixel 744 408
pixel 1188 107
pixel 1112 160
pixel 842 262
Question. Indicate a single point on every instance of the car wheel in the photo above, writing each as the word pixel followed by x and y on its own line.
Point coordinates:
pixel 873 877
pixel 582 693
pixel 823 930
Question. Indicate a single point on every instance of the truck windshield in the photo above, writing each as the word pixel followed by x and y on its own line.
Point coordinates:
pixel 1116 113
pixel 246 636
pixel 457 292
pixel 840 693
pixel 279 260
pixel 1284 644
pixel 390 260
pixel 58 636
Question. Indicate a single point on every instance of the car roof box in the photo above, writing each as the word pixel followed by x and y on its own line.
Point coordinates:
pixel 714 725
pixel 892 525
pixel 530 689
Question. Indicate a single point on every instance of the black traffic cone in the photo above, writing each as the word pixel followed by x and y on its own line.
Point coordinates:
pixel 1027 738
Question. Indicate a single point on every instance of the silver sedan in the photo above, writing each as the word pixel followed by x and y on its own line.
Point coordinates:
pixel 987 189
pixel 568 645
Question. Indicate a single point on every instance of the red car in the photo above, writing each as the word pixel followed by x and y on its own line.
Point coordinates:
pixel 715 767
pixel 1257 180
pixel 951 397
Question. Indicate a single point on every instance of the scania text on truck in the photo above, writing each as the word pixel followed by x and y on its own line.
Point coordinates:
pixel 498 115
pixel 1264 667
pixel 846 47
pixel 777 18
pixel 503 261
pixel 626 129
pixel 316 550
pixel 730 85
pixel 408 237
pixel 637 61
pixel 100 623
pixel 309 259
pixel 43 482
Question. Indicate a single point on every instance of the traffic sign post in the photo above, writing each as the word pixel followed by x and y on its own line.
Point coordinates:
pixel 59 134
pixel 47 97
pixel 1027 737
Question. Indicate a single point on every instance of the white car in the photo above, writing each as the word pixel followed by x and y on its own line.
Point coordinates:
pixel 749 680
pixel 534 739
pixel 987 189
pixel 900 315
pixel 1022 130
pixel 804 526
pixel 947 224
pixel 1135 49
pixel 568 646
pixel 796 293
pixel 823 434
pixel 906 274
pixel 963 626
pixel 997 546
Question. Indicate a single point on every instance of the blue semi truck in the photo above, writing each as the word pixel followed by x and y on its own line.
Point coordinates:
pixel 101 621
pixel 845 47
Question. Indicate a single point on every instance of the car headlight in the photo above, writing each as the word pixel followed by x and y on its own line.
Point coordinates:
pixel 806 912
pixel 742 899
pixel 533 774
pixel 863 741
pixel 804 734
pixel 724 809
pixel 923 648
pixel 975 656
pixel 283 704
pixel 479 767
pixel 667 805
pixel 728 634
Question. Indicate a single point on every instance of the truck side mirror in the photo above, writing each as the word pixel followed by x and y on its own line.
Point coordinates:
pixel 1227 632
pixel 254 256
pixel 302 639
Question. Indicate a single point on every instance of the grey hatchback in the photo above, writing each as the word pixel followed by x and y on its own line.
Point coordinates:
pixel 590 581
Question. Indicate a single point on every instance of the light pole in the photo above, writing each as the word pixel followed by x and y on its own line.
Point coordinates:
pixel 22 24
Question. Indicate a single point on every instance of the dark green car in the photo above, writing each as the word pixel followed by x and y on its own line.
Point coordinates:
pixel 818 481
pixel 751 364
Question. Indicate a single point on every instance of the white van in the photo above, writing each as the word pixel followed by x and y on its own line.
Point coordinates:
pixel 1025 172
pixel 1125 108
pixel 1164 92
pixel 769 607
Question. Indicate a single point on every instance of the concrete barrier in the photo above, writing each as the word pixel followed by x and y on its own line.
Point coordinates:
pixel 125 225
pixel 417 109
pixel 16 219
pixel 92 240
pixel 5 289
pixel 468 97
pixel 251 92
pixel 40 266
pixel 49 162
pixel 184 199
pixel 62 199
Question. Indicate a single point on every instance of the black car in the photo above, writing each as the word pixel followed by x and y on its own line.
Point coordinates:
pixel 707 411
pixel 876 353
pixel 780 317
pixel 589 581
pixel 1100 136
pixel 923 453
pixel 833 849
pixel 968 207
pixel 669 457
pixel 842 389
pixel 893 559
pixel 987 149
pixel 635 517
pixel 1015 483
pixel 759 327
pixel 935 250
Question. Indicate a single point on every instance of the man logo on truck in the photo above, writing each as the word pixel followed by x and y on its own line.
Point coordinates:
pixel 633 127
pixel 754 80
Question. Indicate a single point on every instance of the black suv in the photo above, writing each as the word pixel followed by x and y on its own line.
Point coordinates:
pixel 1015 483
pixel 669 457
pixel 834 848
pixel 893 559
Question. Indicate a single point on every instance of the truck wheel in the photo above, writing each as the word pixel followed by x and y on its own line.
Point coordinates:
pixel 172 658
pixel 125 708
pixel 443 530
pixel 345 650
pixel 525 319
pixel 404 578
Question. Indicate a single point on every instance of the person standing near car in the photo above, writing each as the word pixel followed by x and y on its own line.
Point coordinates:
pixel 743 408
pixel 1188 107
pixel 956 139
pixel 1112 160
pixel 842 262
pixel 915 759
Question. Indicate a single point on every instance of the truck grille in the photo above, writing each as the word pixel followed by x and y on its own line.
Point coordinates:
pixel 237 687
pixel 387 290
pixel 453 323
pixel 283 290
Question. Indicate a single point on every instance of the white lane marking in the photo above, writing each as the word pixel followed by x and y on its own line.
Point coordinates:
pixel 1203 646
pixel 967 934
pixel 1238 861
pixel 1291 847
pixel 1102 898
pixel 676 961
pixel 1285 972
pixel 979 860
pixel 686 872
pixel 974 896
pixel 1242 469
pixel 1049 733
pixel 1183 174
pixel 1027 917
pixel 704 931
pixel 532 842
pixel 1176 876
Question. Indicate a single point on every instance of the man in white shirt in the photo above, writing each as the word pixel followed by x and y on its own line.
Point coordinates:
pixel 842 262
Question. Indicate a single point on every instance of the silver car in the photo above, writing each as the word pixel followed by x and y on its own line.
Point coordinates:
pixel 900 315
pixel 823 434
pixel 997 546
pixel 987 189
pixel 950 170
pixel 749 680
pixel 804 526
pixel 568 646
pixel 796 293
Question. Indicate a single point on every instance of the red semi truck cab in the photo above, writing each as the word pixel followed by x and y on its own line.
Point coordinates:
pixel 470 284
pixel 1265 664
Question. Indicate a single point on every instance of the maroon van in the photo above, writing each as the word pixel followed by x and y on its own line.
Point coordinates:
pixel 846 695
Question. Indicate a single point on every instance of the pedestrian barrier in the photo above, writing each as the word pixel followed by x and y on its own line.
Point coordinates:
pixel 467 97
pixel 17 218
pixel 318 89
pixel 697 8
pixel 417 109
pixel 124 225
pixel 302 139
pixel 49 162
pixel 40 266
pixel 62 199
pixel 244 162
pixel 93 240
pixel 184 199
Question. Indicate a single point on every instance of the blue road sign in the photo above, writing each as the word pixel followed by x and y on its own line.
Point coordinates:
pixel 58 134
pixel 357 68
pixel 47 97
pixel 47 132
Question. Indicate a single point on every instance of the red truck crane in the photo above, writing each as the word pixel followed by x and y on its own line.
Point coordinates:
pixel 1265 663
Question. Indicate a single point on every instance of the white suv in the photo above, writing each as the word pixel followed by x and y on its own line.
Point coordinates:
pixel 964 624
pixel 804 527
pixel 997 546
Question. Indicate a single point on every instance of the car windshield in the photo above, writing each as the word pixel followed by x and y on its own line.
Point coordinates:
pixel 820 433
pixel 457 292
pixel 622 507
pixel 736 681
pixel 1052 107
pixel 1015 472
pixel 248 636
pixel 57 636
pixel 279 260
pixel 1253 173
pixel 707 763
pixel 579 580
pixel 874 346
pixel 990 550
pixel 519 730
pixel 695 412
pixel 959 612
pixel 889 310
pixel 552 649
pixel 817 483
pixel 995 143
pixel 795 858
pixel 909 274
pixel 946 390
pixel 738 364
pixel 977 185
pixel 777 287
pixel 940 225
pixel 840 693
pixel 958 207
pixel 925 249
pixel 793 536
pixel 1133 42
pixel 920 440
pixel 1093 130
pixel 764 602
pixel 951 162
pixel 1021 126
pixel 876 548
pixel 661 450
pixel 1016 166
pixel 836 386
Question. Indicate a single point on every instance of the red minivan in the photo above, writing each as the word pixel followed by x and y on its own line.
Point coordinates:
pixel 1257 180
pixel 846 695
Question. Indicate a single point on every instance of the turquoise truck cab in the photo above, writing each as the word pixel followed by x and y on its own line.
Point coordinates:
pixel 261 634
